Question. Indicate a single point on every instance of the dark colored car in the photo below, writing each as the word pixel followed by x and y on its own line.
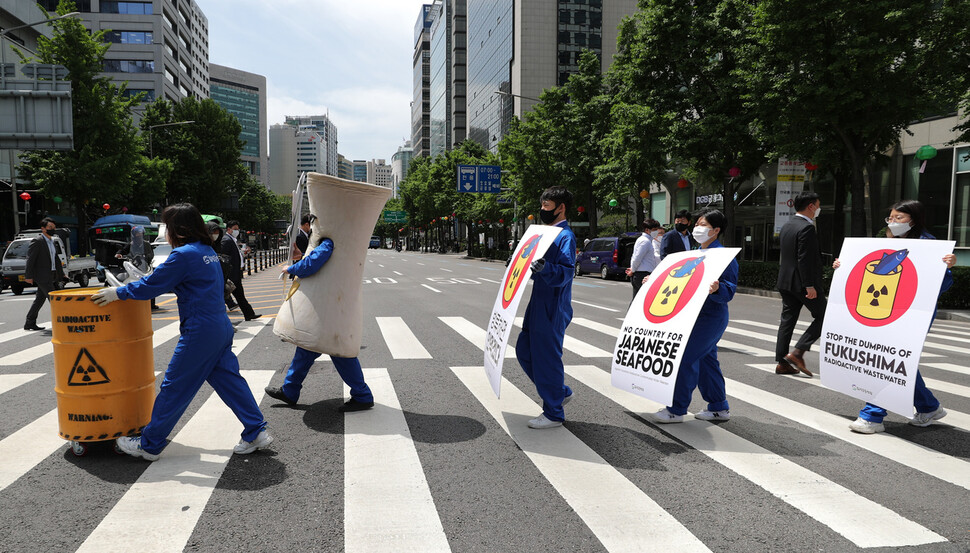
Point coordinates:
pixel 609 256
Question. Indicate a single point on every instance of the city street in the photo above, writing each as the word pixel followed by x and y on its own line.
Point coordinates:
pixel 440 464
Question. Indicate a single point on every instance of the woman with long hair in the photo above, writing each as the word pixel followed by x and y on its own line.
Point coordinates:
pixel 204 350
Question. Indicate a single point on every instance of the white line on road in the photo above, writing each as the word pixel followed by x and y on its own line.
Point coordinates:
pixel 490 280
pixel 446 270
pixel 860 520
pixel 618 513
pixel 724 344
pixel 387 501
pixel 25 448
pixel 473 333
pixel 400 340
pixel 398 274
pixel 959 369
pixel 578 347
pixel 379 265
pixel 597 306
pixel 10 381
pixel 248 332
pixel 27 355
pixel 14 334
pixel 432 289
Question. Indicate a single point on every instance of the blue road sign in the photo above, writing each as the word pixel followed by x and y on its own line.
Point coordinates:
pixel 480 178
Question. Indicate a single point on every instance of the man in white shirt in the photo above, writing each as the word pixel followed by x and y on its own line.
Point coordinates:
pixel 644 259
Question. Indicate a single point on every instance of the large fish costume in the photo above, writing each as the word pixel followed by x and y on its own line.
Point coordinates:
pixel 324 313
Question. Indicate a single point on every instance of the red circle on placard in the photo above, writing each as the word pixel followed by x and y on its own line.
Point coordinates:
pixel 521 261
pixel 905 292
pixel 683 299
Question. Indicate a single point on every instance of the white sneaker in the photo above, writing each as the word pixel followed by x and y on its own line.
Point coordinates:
pixel 923 420
pixel 541 422
pixel 664 416
pixel 862 426
pixel 132 446
pixel 706 415
pixel 262 440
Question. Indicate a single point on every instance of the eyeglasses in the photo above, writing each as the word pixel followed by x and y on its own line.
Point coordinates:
pixel 898 219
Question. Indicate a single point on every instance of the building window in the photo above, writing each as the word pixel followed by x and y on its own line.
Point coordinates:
pixel 148 97
pixel 129 66
pixel 128 8
pixel 128 37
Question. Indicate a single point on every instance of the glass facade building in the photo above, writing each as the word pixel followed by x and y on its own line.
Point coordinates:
pixel 490 52
pixel 580 27
pixel 440 84
pixel 243 102
pixel 421 103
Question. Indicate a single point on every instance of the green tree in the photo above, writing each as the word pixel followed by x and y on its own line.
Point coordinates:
pixel 837 82
pixel 205 154
pixel 679 59
pixel 259 208
pixel 105 164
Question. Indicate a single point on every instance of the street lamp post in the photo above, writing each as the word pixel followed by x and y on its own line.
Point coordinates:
pixel 151 153
pixel 3 76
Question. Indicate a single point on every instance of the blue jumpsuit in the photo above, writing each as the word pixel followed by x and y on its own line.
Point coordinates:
pixel 923 399
pixel 539 346
pixel 347 367
pixel 699 367
pixel 204 350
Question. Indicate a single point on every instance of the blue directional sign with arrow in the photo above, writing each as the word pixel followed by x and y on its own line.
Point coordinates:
pixel 480 178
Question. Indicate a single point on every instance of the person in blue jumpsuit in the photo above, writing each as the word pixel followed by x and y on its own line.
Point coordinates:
pixel 907 219
pixel 204 350
pixel 539 346
pixel 347 367
pixel 699 367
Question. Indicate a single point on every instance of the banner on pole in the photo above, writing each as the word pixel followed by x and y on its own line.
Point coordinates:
pixel 532 246
pixel 648 351
pixel 879 311
pixel 791 181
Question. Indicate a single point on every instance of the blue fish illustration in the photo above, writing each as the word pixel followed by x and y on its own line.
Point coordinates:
pixel 688 267
pixel 889 262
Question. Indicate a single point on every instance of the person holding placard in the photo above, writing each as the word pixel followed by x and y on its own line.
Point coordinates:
pixel 907 219
pixel 699 367
pixel 539 345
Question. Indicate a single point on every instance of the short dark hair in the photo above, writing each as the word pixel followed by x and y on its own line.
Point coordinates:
pixel 683 214
pixel 803 200
pixel 232 223
pixel 307 219
pixel 557 195
pixel 47 221
pixel 716 219
pixel 917 214
pixel 184 224
pixel 650 224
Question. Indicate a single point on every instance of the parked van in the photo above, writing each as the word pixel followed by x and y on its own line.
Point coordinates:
pixel 609 256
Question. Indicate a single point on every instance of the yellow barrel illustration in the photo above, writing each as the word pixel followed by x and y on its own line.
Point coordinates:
pixel 877 293
pixel 670 293
pixel 103 366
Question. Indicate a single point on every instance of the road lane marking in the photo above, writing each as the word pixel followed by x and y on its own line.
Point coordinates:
pixel 402 343
pixel 618 513
pixel 432 289
pixel 490 280
pixel 398 274
pixel 10 381
pixel 859 520
pixel 446 270
pixel 473 333
pixel 801 326
pixel 14 334
pixel 597 306
pixel 27 355
pixel 387 502
pixel 959 369
pixel 722 344
pixel 578 347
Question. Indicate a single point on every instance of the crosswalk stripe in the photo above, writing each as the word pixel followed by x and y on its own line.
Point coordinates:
pixel 620 514
pixel 802 324
pixel 25 448
pixel 952 327
pixel 959 369
pixel 473 333
pixel 170 496
pixel 722 344
pixel 928 461
pixel 14 334
pixel 490 280
pixel 953 418
pixel 946 347
pixel 860 520
pixel 402 343
pixel 387 501
pixel 578 347
pixel 27 355
pixel 597 306
pixel 10 381
pixel 431 288
pixel 248 332
pixel 599 327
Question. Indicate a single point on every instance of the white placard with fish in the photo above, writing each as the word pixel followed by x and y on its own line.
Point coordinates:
pixel 646 358
pixel 880 307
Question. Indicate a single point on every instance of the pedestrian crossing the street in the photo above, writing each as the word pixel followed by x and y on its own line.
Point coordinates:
pixel 390 505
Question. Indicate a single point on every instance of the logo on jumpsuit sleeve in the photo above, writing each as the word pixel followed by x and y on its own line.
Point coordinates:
pixel 521 262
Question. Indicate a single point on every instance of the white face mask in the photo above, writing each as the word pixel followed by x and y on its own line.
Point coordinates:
pixel 654 234
pixel 701 234
pixel 899 229
pixel 215 237
pixel 817 211
pixel 234 233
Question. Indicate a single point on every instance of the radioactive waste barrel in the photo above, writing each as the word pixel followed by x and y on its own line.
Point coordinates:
pixel 103 366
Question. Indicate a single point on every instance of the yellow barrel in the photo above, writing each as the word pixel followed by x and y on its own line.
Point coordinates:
pixel 103 366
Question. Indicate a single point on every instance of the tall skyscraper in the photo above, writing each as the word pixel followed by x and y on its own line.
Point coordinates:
pixel 421 103
pixel 160 47
pixel 244 95
pixel 523 48
pixel 400 162
pixel 302 143
pixel 447 70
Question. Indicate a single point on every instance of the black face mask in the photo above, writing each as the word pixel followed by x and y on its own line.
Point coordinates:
pixel 681 227
pixel 547 216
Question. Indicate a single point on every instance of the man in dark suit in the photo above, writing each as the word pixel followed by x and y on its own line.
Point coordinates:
pixel 800 284
pixel 43 269
pixel 679 241
pixel 303 235
pixel 230 249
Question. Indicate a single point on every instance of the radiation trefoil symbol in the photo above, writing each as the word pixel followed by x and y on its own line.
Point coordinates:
pixel 86 371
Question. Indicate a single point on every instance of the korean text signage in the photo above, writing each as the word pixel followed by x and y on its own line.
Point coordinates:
pixel 791 181
pixel 880 307
pixel 532 246
pixel 480 178
pixel 655 331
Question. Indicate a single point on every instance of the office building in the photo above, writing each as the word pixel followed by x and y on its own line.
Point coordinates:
pixel 359 170
pixel 447 71
pixel 345 167
pixel 244 95
pixel 160 47
pixel 523 48
pixel 421 102
pixel 379 173
pixel 301 144
pixel 400 162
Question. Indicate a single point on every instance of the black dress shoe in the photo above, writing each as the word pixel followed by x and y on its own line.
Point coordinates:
pixel 354 405
pixel 254 317
pixel 277 393
pixel 33 327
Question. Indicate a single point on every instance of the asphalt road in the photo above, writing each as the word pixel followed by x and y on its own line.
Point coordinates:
pixel 441 464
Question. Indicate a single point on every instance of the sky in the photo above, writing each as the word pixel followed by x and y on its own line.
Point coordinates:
pixel 351 57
